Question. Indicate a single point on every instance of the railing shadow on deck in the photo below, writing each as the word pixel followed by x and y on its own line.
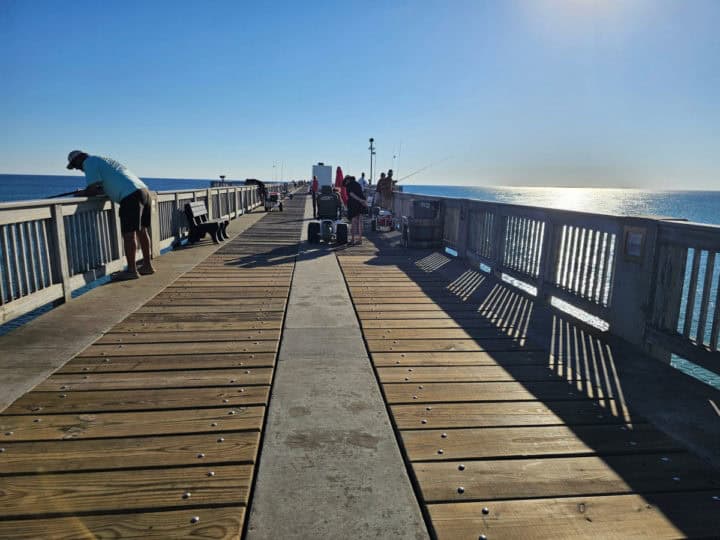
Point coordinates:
pixel 618 379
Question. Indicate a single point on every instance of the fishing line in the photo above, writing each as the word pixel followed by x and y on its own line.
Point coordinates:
pixel 424 168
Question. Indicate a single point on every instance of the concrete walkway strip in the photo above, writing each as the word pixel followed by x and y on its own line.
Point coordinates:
pixel 330 465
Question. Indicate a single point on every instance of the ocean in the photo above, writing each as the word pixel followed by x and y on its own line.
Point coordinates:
pixel 23 187
pixel 696 206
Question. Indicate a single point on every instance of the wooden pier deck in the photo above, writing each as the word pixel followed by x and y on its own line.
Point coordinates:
pixel 503 439
pixel 155 429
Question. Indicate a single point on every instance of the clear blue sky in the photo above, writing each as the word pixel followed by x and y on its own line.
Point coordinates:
pixel 532 92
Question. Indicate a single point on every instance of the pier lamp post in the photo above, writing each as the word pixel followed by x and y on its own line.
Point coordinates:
pixel 372 153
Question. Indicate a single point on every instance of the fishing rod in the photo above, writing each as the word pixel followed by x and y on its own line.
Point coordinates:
pixel 61 194
pixel 423 169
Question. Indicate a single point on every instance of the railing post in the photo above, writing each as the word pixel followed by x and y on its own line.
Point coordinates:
pixel 499 240
pixel 60 260
pixel 236 192
pixel 154 225
pixel 176 217
pixel 548 256
pixel 210 204
pixel 667 298
pixel 634 260
pixel 463 230
pixel 119 253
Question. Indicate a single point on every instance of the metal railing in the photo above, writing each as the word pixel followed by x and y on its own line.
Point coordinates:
pixel 52 247
pixel 651 281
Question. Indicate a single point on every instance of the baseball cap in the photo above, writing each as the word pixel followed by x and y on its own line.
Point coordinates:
pixel 72 155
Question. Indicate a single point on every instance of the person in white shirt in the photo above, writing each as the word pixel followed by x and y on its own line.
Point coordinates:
pixel 363 183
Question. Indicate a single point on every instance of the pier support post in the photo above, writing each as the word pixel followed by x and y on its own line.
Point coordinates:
pixel 499 231
pixel 548 258
pixel 60 259
pixel 176 218
pixel 117 230
pixel 633 280
pixel 154 224
pixel 463 229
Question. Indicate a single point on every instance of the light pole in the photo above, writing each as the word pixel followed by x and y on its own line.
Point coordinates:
pixel 372 153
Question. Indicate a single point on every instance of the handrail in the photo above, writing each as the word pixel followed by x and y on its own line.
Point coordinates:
pixel 650 280
pixel 52 247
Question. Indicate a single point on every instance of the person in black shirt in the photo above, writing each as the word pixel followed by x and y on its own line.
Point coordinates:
pixel 356 207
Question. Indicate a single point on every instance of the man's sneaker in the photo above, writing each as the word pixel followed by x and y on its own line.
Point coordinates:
pixel 124 276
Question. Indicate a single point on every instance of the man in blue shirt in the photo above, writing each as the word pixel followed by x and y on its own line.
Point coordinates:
pixel 107 176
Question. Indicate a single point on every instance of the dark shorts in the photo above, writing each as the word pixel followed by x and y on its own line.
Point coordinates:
pixel 135 211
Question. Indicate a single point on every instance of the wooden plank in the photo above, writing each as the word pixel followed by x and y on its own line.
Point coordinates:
pixel 402 306
pixel 123 453
pixel 388 284
pixel 447 345
pixel 141 349
pixel 223 293
pixel 486 443
pixel 186 316
pixel 446 301
pixel 442 333
pixel 137 400
pixel 203 301
pixel 100 364
pixel 651 517
pixel 227 308
pixel 506 414
pixel 477 374
pixel 207 277
pixel 157 379
pixel 219 523
pixel 562 477
pixel 490 391
pixel 180 326
pixel 505 358
pixel 253 276
pixel 215 295
pixel 189 336
pixel 230 289
pixel 129 424
pixel 464 324
pixel 67 494
pixel 439 313
pixel 379 290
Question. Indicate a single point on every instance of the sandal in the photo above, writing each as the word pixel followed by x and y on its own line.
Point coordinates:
pixel 124 276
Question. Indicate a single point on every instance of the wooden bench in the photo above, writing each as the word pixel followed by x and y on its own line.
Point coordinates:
pixel 200 224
